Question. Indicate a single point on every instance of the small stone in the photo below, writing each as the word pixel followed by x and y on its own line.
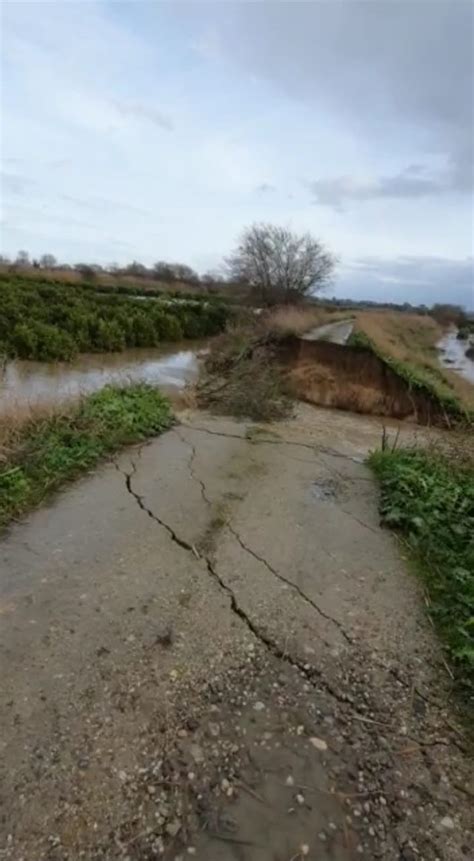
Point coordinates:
pixel 214 729
pixel 322 836
pixel 225 784
pixel 447 823
pixel 318 743
pixel 191 850
pixel 304 849
pixel 173 827
pixel 122 776
pixel 290 781
pixel 197 753
pixel 259 706
pixel 300 798
pixel 300 730
pixel 151 790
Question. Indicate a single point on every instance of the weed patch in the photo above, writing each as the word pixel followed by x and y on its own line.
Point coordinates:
pixel 50 451
pixel 429 499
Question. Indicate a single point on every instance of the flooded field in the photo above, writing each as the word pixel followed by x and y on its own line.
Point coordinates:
pixel 170 367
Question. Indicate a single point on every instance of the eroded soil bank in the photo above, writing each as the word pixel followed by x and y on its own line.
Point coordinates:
pixel 337 375
pixel 210 649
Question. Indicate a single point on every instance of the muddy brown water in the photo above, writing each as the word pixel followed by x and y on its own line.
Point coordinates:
pixel 170 366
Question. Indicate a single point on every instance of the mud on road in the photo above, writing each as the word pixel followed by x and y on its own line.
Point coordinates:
pixel 210 649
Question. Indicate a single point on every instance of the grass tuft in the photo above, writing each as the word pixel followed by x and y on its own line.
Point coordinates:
pixel 49 450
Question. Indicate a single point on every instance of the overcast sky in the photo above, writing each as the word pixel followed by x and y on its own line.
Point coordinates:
pixel 158 130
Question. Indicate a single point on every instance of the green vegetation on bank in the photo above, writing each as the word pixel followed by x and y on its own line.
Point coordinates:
pixel 46 321
pixel 46 452
pixel 429 499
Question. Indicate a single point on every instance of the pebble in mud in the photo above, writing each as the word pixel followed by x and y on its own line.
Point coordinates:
pixel 318 743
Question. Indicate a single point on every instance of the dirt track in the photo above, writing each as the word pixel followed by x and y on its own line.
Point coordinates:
pixel 211 649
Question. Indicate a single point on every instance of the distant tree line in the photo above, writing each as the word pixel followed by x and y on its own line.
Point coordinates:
pixel 270 265
pixel 160 271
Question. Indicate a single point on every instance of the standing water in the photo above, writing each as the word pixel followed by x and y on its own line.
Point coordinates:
pixel 170 367
pixel 452 354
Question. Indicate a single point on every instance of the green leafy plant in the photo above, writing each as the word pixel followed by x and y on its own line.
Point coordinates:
pixel 429 499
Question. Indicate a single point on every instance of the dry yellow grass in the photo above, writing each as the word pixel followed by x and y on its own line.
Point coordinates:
pixel 412 339
pixel 295 319
pixel 71 276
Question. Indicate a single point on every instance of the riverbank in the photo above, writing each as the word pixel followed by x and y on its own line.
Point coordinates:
pixel 380 364
pixel 410 345
pixel 43 449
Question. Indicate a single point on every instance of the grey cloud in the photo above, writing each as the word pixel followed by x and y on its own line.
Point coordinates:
pixel 423 280
pixel 100 204
pixel 411 56
pixel 145 112
pixel 13 183
pixel 397 69
pixel 265 187
pixel 413 181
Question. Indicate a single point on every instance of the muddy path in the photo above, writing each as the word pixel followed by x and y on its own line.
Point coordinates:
pixel 210 649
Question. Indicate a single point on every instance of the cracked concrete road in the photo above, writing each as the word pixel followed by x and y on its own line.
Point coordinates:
pixel 209 647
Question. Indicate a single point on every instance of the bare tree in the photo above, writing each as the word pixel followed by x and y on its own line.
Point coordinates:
pixel 22 258
pixel 278 265
pixel 47 261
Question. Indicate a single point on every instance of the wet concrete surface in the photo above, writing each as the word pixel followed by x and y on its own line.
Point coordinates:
pixel 210 648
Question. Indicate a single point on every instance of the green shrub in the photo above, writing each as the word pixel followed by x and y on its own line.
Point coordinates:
pixel 48 321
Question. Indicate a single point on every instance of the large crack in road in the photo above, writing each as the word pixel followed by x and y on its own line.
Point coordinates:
pixel 307 669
